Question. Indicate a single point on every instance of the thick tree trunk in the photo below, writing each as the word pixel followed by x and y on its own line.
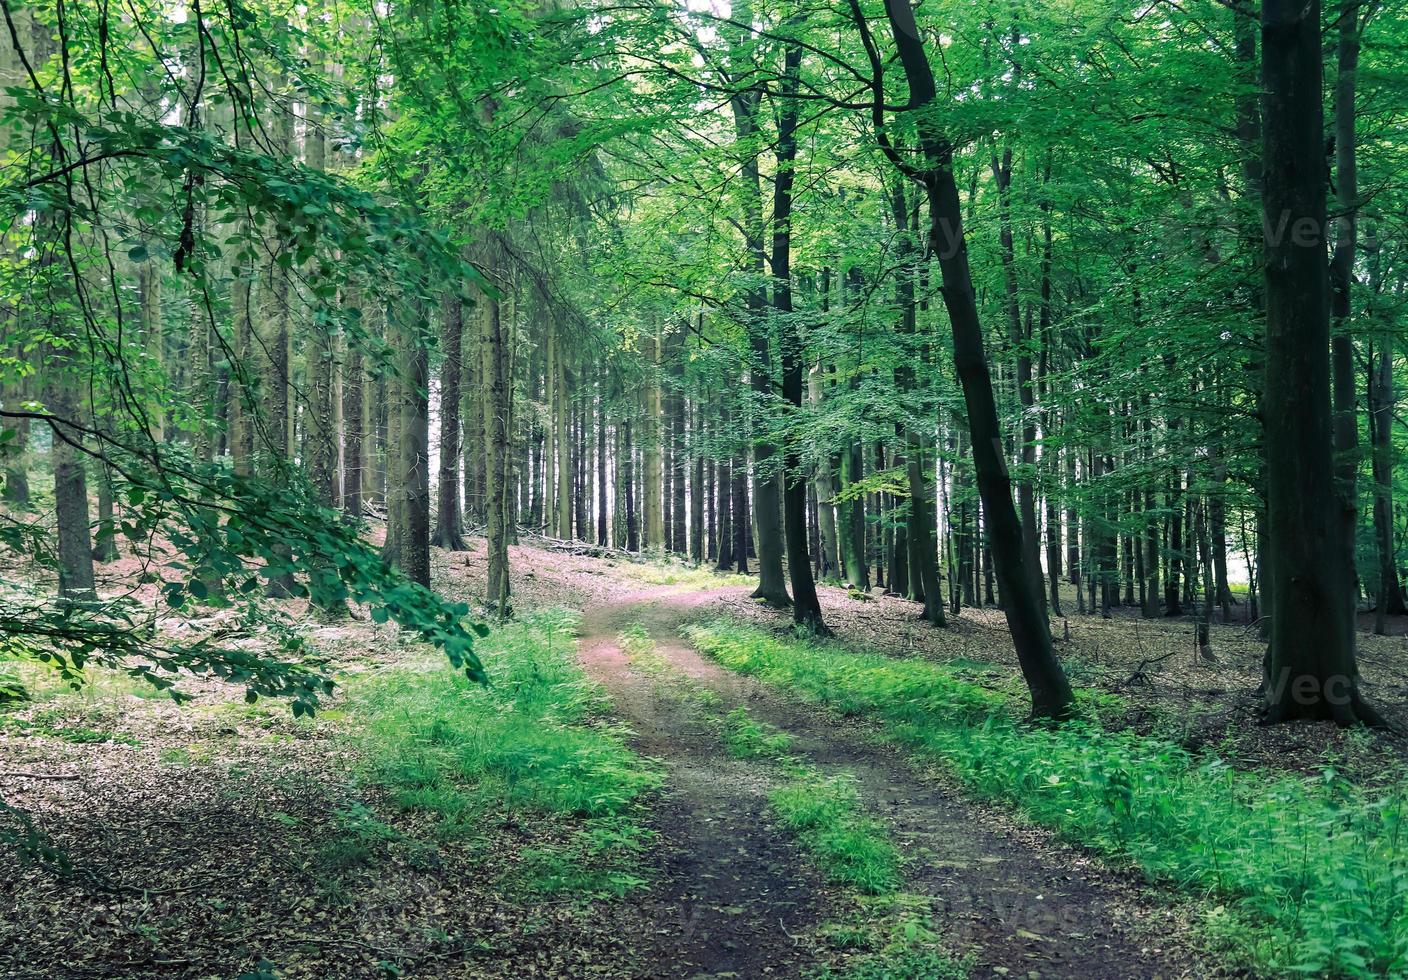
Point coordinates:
pixel 1311 667
pixel 75 537
pixel 412 448
pixel 772 587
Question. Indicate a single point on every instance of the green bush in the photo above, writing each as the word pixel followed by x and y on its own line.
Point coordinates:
pixel 1312 873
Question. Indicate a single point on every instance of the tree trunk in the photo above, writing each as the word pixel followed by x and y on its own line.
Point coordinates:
pixel 806 607
pixel 679 459
pixel 354 422
pixel 1390 600
pixel 723 486
pixel 772 587
pixel 412 449
pixel 698 492
pixel 1024 606
pixel 628 479
pixel 852 516
pixel 449 531
pixel 742 521
pixel 654 475
pixel 1311 667
pixel 496 394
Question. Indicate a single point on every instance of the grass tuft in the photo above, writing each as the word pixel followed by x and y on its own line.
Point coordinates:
pixel 747 738
pixel 850 846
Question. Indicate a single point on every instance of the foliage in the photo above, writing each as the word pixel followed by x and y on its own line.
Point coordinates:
pixel 889 937
pixel 225 535
pixel 1309 871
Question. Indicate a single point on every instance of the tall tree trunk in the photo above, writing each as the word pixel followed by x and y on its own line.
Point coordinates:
pixel 1311 667
pixel 698 492
pixel 412 449
pixel 1023 605
pixel 679 459
pixel 496 395
pixel 1390 600
pixel 772 587
pixel 562 438
pixel 75 537
pixel 602 530
pixel 628 479
pixel 354 420
pixel 1346 422
pixel 723 486
pixel 829 563
pixel 851 511
pixel 741 520
pixel 806 607
pixel 654 475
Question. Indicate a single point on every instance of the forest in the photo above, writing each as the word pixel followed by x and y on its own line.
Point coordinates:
pixel 827 489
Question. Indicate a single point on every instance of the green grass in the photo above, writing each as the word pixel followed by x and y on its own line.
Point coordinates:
pixel 888 937
pixel 747 738
pixel 1311 874
pixel 849 845
pixel 660 569
pixel 537 740
pixel 640 650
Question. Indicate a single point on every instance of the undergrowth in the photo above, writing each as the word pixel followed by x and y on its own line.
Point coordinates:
pixel 536 740
pixel 1312 874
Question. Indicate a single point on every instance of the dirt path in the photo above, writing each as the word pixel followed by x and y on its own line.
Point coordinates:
pixel 735 893
pixel 1026 908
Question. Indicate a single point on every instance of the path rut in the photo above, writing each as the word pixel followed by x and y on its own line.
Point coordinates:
pixel 735 893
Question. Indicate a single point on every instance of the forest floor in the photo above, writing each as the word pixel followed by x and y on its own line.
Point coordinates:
pixel 207 839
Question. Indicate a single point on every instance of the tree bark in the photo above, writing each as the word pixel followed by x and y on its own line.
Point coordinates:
pixel 449 525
